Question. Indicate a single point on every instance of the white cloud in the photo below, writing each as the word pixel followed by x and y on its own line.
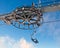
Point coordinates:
pixel 24 44
pixel 7 42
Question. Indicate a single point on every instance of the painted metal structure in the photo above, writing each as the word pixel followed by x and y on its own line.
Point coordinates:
pixel 29 17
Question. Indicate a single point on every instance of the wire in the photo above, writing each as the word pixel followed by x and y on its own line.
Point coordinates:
pixel 52 21
pixel 2 24
pixel 43 22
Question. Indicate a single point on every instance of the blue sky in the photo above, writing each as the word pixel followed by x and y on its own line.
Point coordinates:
pixel 48 34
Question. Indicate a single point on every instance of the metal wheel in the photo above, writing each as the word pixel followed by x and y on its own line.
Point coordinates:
pixel 27 18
